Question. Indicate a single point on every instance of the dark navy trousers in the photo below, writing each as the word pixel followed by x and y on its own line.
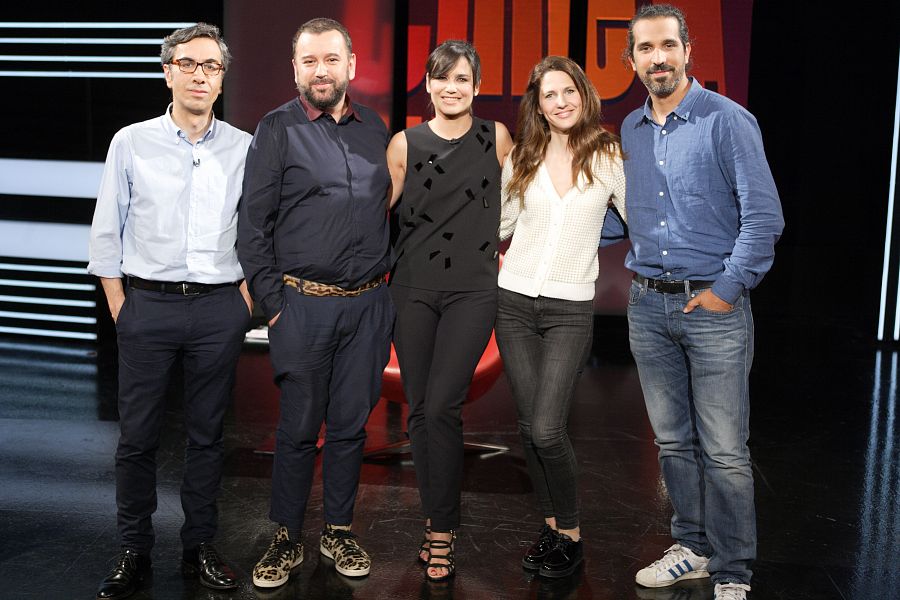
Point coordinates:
pixel 155 329
pixel 328 355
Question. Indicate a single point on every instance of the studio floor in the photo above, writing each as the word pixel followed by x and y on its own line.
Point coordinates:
pixel 824 439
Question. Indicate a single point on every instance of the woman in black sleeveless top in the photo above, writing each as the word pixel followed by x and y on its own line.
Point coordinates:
pixel 444 283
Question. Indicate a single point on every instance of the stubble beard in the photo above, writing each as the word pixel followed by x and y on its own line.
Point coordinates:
pixel 328 101
pixel 666 87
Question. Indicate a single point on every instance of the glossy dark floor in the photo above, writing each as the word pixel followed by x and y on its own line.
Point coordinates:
pixel 824 439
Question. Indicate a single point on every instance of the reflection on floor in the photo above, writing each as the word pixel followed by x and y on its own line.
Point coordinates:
pixel 824 441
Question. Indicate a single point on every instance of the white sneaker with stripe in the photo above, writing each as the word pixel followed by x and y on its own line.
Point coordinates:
pixel 731 591
pixel 677 564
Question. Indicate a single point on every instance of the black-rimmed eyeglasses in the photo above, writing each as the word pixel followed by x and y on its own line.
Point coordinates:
pixel 189 65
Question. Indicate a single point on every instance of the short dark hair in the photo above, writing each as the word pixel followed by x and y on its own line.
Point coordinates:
pixel 321 25
pixel 447 54
pixel 186 34
pixel 656 11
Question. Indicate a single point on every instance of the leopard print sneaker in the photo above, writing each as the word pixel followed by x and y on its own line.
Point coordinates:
pixel 274 568
pixel 342 546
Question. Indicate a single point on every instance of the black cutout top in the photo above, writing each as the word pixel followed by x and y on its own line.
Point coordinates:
pixel 449 212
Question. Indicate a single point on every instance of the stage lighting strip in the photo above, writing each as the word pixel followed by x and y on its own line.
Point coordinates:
pixel 83 41
pixel 47 317
pixel 889 228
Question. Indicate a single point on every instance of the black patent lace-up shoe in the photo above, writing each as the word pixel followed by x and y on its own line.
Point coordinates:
pixel 126 577
pixel 204 563
pixel 565 557
pixel 535 555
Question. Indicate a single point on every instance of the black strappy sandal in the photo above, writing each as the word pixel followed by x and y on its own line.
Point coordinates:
pixel 425 546
pixel 450 565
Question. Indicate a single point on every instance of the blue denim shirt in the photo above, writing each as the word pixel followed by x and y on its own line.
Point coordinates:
pixel 701 200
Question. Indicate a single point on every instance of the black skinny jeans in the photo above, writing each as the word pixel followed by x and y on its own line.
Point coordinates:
pixel 439 338
pixel 544 343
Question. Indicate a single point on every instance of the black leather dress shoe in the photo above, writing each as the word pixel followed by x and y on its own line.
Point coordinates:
pixel 204 562
pixel 534 556
pixel 564 558
pixel 125 577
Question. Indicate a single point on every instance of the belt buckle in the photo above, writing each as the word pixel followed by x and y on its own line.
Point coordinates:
pixel 185 292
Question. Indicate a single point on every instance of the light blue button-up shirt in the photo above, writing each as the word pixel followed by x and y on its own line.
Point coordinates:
pixel 701 201
pixel 167 209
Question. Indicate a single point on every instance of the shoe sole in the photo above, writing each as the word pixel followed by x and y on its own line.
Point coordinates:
pixel 189 571
pixel 560 574
pixel 700 574
pixel 136 589
pixel 529 566
pixel 342 571
pixel 266 583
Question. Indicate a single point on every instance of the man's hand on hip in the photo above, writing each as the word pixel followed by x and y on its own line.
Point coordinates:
pixel 709 301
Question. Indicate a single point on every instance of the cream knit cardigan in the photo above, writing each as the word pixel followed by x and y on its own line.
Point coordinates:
pixel 554 250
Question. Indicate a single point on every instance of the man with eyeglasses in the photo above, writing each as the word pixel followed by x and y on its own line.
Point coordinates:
pixel 166 221
pixel 313 240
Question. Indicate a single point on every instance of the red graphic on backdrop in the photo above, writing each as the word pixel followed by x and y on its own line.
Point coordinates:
pixel 513 35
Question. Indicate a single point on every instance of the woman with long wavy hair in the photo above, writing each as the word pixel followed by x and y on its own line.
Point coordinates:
pixel 446 187
pixel 558 181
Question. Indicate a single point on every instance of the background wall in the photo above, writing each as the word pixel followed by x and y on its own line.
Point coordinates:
pixel 822 84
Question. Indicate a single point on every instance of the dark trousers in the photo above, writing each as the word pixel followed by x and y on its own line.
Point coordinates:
pixel 154 330
pixel 544 343
pixel 439 338
pixel 328 355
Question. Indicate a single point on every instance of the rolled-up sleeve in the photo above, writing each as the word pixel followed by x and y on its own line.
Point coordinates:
pixel 258 212
pixel 111 211
pixel 743 161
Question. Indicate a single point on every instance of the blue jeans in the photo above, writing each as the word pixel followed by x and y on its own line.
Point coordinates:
pixel 544 343
pixel 694 372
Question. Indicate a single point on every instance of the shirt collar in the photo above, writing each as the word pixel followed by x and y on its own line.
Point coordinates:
pixel 174 130
pixel 683 110
pixel 314 113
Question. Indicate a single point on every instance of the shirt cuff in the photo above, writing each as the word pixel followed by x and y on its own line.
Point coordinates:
pixel 729 291
pixel 273 304
pixel 109 271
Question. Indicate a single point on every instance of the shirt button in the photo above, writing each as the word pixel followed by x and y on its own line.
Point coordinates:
pixel 664 132
pixel 663 223
pixel 668 273
pixel 662 162
pixel 665 252
pixel 661 194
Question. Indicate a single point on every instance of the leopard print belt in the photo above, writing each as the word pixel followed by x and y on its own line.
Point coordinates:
pixel 314 288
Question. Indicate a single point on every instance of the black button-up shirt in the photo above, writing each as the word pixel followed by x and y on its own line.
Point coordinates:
pixel 314 201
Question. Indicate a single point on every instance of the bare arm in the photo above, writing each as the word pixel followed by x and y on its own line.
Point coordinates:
pixel 504 142
pixel 396 159
pixel 115 295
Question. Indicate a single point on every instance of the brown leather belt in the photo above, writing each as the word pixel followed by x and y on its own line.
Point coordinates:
pixel 314 288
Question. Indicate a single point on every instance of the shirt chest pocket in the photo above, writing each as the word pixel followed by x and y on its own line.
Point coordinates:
pixel 695 176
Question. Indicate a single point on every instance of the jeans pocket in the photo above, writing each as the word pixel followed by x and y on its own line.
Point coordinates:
pixel 635 293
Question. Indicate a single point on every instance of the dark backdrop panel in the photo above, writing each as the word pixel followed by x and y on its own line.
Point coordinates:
pixel 74 118
pixel 826 110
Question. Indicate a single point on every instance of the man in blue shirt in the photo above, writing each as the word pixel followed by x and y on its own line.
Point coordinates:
pixel 703 219
pixel 166 220
pixel 313 240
